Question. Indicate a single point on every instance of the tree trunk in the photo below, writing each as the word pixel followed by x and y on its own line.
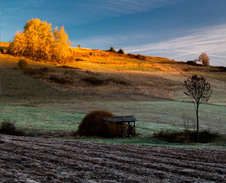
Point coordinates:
pixel 197 116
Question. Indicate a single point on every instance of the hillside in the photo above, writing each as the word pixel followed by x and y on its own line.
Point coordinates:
pixel 60 94
pixel 114 76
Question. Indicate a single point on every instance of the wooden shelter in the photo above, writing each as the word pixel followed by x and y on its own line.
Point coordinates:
pixel 127 124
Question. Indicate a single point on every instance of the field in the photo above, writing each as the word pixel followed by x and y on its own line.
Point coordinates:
pixel 26 159
pixel 49 100
pixel 43 107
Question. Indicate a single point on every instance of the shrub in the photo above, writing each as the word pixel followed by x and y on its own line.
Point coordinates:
pixel 61 80
pixel 185 136
pixel 4 51
pixel 112 49
pixel 9 128
pixel 79 59
pixel 140 57
pixel 121 51
pixel 22 64
pixel 94 81
pixel 191 62
pixel 94 125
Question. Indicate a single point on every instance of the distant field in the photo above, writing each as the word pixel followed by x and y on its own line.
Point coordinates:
pixel 4 44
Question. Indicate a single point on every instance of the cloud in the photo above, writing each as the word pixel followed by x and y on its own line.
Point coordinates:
pixel 123 7
pixel 211 40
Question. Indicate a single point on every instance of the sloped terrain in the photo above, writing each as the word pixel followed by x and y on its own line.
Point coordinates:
pixel 26 159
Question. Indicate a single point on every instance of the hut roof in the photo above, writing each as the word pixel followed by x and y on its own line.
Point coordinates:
pixel 120 119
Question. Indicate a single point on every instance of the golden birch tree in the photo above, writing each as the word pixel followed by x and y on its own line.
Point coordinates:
pixel 61 49
pixel 37 41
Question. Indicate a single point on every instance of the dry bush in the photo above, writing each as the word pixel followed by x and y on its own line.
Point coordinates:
pixel 94 81
pixel 191 62
pixel 140 57
pixel 61 80
pixel 112 49
pixel 99 82
pixel 79 59
pixel 22 64
pixel 118 81
pixel 94 125
pixel 7 127
pixel 121 51
pixel 185 136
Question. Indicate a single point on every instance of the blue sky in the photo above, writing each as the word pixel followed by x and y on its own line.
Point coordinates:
pixel 177 29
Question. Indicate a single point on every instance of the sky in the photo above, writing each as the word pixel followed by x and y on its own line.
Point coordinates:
pixel 176 29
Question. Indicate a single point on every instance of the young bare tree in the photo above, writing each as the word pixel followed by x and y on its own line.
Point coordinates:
pixel 204 59
pixel 200 90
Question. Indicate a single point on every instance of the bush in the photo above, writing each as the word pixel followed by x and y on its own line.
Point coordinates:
pixel 61 80
pixel 94 81
pixel 79 59
pixel 94 125
pixel 112 49
pixel 9 128
pixel 140 57
pixel 22 64
pixel 191 62
pixel 186 136
pixel 121 51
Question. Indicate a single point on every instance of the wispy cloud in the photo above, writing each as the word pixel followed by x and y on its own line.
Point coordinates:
pixel 211 40
pixel 122 7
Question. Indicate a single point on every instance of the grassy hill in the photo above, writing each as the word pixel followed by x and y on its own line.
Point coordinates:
pixel 53 98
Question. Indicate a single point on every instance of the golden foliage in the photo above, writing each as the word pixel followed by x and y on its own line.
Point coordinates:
pixel 37 41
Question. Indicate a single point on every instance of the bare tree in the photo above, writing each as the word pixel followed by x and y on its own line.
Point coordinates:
pixel 204 59
pixel 200 90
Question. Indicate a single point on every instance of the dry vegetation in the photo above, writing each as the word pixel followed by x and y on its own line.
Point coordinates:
pixel 116 76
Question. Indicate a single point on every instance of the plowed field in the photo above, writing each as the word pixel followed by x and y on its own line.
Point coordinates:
pixel 32 160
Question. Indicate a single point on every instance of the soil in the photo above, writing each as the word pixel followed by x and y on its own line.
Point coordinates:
pixel 32 160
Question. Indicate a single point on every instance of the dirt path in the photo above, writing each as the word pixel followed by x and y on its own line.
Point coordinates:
pixel 25 159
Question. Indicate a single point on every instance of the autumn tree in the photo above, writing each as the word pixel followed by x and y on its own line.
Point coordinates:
pixel 37 41
pixel 200 90
pixel 61 44
pixel 204 59
pixel 17 47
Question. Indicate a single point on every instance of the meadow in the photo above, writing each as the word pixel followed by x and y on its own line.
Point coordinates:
pixel 151 89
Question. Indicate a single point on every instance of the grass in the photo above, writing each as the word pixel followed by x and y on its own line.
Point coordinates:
pixel 35 119
pixel 119 64
pixel 171 113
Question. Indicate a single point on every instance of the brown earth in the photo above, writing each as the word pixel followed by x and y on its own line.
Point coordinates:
pixel 32 160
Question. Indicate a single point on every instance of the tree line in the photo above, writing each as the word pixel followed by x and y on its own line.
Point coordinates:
pixel 38 41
